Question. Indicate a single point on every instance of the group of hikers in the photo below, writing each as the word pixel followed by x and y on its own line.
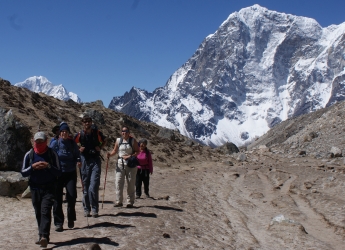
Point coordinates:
pixel 52 168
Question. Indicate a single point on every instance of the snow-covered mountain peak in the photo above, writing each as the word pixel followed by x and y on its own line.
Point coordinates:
pixel 259 68
pixel 42 84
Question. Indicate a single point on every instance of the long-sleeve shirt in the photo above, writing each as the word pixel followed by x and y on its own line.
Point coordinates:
pixel 41 176
pixel 145 160
pixel 68 152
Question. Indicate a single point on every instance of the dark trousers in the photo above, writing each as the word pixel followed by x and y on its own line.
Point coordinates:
pixel 69 181
pixel 42 201
pixel 143 176
pixel 91 174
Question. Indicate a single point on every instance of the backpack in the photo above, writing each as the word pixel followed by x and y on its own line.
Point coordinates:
pixel 96 137
pixel 132 162
pixel 130 142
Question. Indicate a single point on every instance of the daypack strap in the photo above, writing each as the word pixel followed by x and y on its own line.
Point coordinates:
pixel 130 142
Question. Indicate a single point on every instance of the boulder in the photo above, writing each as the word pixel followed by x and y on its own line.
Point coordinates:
pixel 228 148
pixel 12 183
pixel 336 152
pixel 15 141
pixel 96 116
pixel 168 134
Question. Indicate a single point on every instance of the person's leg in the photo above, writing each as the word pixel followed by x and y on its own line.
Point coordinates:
pixel 119 184
pixel 131 174
pixel 36 203
pixel 138 183
pixel 46 208
pixel 57 207
pixel 94 185
pixel 86 176
pixel 71 196
pixel 146 180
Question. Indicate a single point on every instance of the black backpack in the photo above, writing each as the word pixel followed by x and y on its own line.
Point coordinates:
pixel 95 133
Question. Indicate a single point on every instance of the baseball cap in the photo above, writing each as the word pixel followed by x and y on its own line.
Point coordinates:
pixel 40 135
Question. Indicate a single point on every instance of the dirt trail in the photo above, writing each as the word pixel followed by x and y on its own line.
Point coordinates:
pixel 207 205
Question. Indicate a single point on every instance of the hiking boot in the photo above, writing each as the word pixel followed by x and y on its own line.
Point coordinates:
pixel 70 224
pixel 137 197
pixel 129 206
pixel 118 205
pixel 94 214
pixel 58 228
pixel 44 242
pixel 147 195
pixel 87 214
pixel 37 242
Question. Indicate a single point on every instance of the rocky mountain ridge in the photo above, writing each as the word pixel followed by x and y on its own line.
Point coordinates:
pixel 38 110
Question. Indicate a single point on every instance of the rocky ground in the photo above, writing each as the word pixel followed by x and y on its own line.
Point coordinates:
pixel 284 192
pixel 267 202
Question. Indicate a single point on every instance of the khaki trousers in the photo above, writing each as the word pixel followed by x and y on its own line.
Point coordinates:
pixel 122 173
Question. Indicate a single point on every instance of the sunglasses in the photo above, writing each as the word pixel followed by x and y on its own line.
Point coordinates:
pixel 124 131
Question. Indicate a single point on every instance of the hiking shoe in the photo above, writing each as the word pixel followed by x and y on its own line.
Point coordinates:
pixel 87 214
pixel 147 195
pixel 118 205
pixel 37 242
pixel 70 224
pixel 137 197
pixel 94 215
pixel 44 242
pixel 58 228
pixel 129 205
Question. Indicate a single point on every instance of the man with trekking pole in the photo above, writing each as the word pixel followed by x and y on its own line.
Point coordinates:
pixel 91 141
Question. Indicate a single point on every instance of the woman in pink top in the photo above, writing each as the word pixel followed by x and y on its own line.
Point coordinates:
pixel 145 168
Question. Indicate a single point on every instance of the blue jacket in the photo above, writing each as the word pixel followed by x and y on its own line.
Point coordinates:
pixel 43 176
pixel 68 152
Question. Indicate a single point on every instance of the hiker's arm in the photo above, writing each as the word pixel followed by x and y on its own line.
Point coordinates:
pixel 135 148
pixel 150 162
pixel 77 140
pixel 103 142
pixel 77 154
pixel 55 169
pixel 116 148
pixel 26 168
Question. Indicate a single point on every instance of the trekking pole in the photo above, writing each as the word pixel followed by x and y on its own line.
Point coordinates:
pixel 105 180
pixel 82 188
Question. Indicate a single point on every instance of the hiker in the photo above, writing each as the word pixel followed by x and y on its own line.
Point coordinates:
pixel 56 132
pixel 125 147
pixel 145 168
pixel 91 142
pixel 69 156
pixel 41 164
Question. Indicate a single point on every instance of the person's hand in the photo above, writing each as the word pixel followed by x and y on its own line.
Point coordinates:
pixel 108 155
pixel 81 149
pixel 79 164
pixel 40 165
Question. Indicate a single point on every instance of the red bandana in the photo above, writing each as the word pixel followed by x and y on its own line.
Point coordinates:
pixel 40 148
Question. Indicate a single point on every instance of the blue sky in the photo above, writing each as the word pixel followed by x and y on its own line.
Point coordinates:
pixel 100 49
